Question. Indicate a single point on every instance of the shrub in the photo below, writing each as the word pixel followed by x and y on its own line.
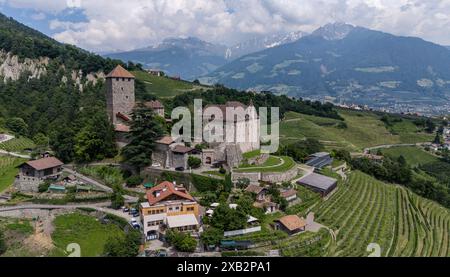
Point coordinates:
pixel 212 236
pixel 182 242
pixel 194 162
pixel 134 181
pixel 43 187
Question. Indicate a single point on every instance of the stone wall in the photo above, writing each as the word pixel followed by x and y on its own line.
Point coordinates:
pixel 27 184
pixel 279 177
pixel 258 160
pixel 254 177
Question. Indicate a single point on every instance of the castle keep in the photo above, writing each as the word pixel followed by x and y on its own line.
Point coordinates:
pixel 120 98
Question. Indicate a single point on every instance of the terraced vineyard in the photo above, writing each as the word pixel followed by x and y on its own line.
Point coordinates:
pixel 17 145
pixel 365 211
pixel 8 171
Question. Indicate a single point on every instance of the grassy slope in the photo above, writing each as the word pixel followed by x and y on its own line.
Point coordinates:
pixel 364 129
pixel 87 231
pixel 365 211
pixel 413 155
pixel 164 87
pixel 271 165
pixel 8 171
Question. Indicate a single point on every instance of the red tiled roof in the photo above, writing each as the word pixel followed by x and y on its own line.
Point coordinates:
pixel 122 128
pixel 165 190
pixel 120 72
pixel 292 222
pixel 288 193
pixel 182 149
pixel 254 188
pixel 154 104
pixel 45 163
pixel 166 140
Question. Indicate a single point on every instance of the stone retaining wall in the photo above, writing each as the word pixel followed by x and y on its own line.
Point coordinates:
pixel 279 177
pixel 254 177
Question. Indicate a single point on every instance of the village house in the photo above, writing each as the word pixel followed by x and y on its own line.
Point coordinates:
pixel 156 106
pixel 291 224
pixel 263 200
pixel 156 72
pixel 33 173
pixel 318 183
pixel 290 195
pixel 170 154
pixel 168 206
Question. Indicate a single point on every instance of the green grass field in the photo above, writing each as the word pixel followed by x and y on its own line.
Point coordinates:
pixel 8 171
pixel 364 129
pixel 17 145
pixel 365 211
pixel 414 156
pixel 273 164
pixel 85 230
pixel 164 87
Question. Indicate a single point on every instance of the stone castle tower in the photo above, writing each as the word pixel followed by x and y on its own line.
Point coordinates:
pixel 120 98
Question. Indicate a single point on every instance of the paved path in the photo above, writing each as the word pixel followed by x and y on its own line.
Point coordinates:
pixel 102 207
pixel 17 155
pixel 367 150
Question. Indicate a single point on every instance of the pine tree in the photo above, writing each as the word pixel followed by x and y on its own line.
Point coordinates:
pixel 145 130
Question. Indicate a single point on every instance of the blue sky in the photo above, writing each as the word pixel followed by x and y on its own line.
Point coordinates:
pixel 41 20
pixel 106 26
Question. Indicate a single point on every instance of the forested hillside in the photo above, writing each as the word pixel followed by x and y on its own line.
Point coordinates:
pixel 25 42
pixel 58 109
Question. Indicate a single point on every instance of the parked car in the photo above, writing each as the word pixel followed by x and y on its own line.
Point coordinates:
pixel 135 224
pixel 179 168
pixel 125 210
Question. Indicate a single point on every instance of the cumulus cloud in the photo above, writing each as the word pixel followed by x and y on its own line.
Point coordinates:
pixel 130 24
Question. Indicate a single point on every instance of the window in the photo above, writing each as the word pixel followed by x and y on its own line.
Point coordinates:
pixel 123 79
pixel 117 79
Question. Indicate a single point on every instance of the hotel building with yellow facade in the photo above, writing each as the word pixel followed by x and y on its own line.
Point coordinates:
pixel 168 206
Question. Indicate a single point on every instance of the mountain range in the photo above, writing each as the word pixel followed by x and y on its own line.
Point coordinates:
pixel 191 57
pixel 345 63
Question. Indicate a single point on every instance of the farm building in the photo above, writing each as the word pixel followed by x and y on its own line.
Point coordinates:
pixel 319 160
pixel 318 183
pixel 291 224
pixel 33 173
pixel 289 195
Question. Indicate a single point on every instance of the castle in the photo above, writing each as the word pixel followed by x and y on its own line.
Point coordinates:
pixel 242 137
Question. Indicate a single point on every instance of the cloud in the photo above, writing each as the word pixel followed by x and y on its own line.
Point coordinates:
pixel 131 24
pixel 38 16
